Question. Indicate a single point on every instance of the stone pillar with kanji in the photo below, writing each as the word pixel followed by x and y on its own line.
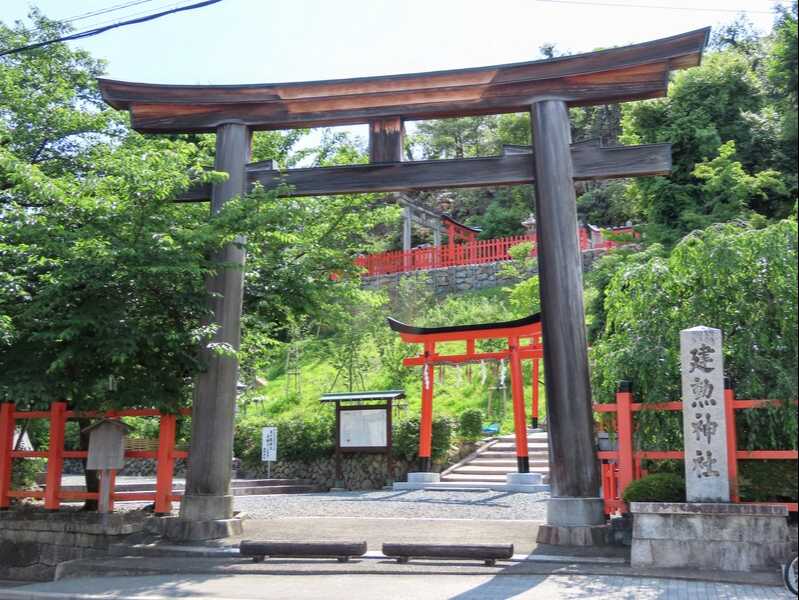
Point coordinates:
pixel 704 419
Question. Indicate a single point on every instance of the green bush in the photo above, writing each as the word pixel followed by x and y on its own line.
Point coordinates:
pixel 659 487
pixel 297 439
pixel 768 480
pixel 470 424
pixel 23 472
pixel 406 438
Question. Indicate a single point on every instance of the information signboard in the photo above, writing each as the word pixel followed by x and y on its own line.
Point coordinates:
pixel 269 444
pixel 364 428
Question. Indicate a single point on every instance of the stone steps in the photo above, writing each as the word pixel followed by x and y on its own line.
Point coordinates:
pixel 454 478
pixel 473 469
pixel 278 489
pixel 511 446
pixel 511 454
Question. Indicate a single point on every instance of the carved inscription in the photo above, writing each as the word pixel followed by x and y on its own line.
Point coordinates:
pixel 704 423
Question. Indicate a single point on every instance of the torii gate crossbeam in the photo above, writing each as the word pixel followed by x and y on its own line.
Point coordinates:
pixel 544 88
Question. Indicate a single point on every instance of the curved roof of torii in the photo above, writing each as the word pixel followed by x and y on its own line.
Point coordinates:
pixel 484 327
pixel 614 75
pixel 446 217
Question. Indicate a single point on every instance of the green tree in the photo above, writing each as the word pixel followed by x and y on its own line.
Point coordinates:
pixel 782 76
pixel 721 101
pixel 740 278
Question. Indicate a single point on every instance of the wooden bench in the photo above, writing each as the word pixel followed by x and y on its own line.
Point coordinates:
pixel 488 553
pixel 342 551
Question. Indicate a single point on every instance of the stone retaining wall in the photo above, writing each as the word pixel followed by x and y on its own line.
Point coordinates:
pixel 142 467
pixel 361 472
pixel 459 279
pixel 34 541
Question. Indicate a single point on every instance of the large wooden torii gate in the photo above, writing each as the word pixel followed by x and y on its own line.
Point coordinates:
pixel 545 88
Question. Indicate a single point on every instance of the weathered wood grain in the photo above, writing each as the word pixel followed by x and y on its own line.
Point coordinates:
pixel 385 140
pixel 207 494
pixel 573 465
pixel 340 550
pixel 489 553
pixel 618 74
pixel 590 162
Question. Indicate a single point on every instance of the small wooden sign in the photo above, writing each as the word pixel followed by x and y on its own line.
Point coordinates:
pixel 106 445
pixel 107 455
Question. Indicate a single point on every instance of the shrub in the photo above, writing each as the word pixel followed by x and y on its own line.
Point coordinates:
pixel 297 439
pixel 406 438
pixel 23 472
pixel 660 487
pixel 470 424
pixel 768 480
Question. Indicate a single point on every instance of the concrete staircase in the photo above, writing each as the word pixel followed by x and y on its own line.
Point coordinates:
pixel 488 467
pixel 253 487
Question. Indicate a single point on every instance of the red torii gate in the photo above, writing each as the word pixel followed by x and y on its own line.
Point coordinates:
pixel 528 328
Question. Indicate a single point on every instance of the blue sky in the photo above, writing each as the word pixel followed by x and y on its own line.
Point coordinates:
pixel 254 41
pixel 263 41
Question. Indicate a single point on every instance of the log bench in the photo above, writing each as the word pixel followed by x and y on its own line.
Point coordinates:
pixel 488 553
pixel 342 551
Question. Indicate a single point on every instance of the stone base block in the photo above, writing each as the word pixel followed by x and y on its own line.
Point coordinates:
pixel 717 536
pixel 575 512
pixel 589 535
pixel 523 482
pixel 417 481
pixel 182 530
pixel 206 508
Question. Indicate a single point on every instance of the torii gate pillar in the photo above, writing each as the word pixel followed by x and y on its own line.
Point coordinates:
pixel 573 467
pixel 207 506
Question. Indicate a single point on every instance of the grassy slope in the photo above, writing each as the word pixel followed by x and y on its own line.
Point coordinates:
pixel 453 394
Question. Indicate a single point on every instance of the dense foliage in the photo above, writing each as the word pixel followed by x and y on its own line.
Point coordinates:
pixel 658 487
pixel 737 277
pixel 406 438
pixel 470 424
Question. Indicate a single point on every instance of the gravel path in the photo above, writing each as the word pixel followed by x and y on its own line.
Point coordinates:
pixel 400 504
pixel 416 504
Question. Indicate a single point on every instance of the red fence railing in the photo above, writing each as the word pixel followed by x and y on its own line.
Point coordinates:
pixel 58 415
pixel 621 466
pixel 469 253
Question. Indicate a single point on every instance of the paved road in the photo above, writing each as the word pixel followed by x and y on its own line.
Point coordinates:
pixel 395 587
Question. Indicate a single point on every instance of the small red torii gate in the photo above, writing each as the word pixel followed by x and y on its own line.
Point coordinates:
pixel 527 328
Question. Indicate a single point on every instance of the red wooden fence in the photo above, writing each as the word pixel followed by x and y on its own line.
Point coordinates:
pixel 58 415
pixel 469 253
pixel 621 466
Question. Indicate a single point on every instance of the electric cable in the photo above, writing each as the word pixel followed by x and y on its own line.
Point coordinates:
pixel 99 30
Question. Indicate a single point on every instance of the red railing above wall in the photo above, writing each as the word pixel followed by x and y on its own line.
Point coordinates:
pixel 622 466
pixel 469 253
pixel 58 415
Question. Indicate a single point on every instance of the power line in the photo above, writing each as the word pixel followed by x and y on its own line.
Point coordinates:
pixel 95 13
pixel 99 30
pixel 657 6
pixel 136 14
pixel 101 11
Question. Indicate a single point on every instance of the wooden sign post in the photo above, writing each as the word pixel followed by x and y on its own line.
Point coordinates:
pixel 364 425
pixel 107 455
